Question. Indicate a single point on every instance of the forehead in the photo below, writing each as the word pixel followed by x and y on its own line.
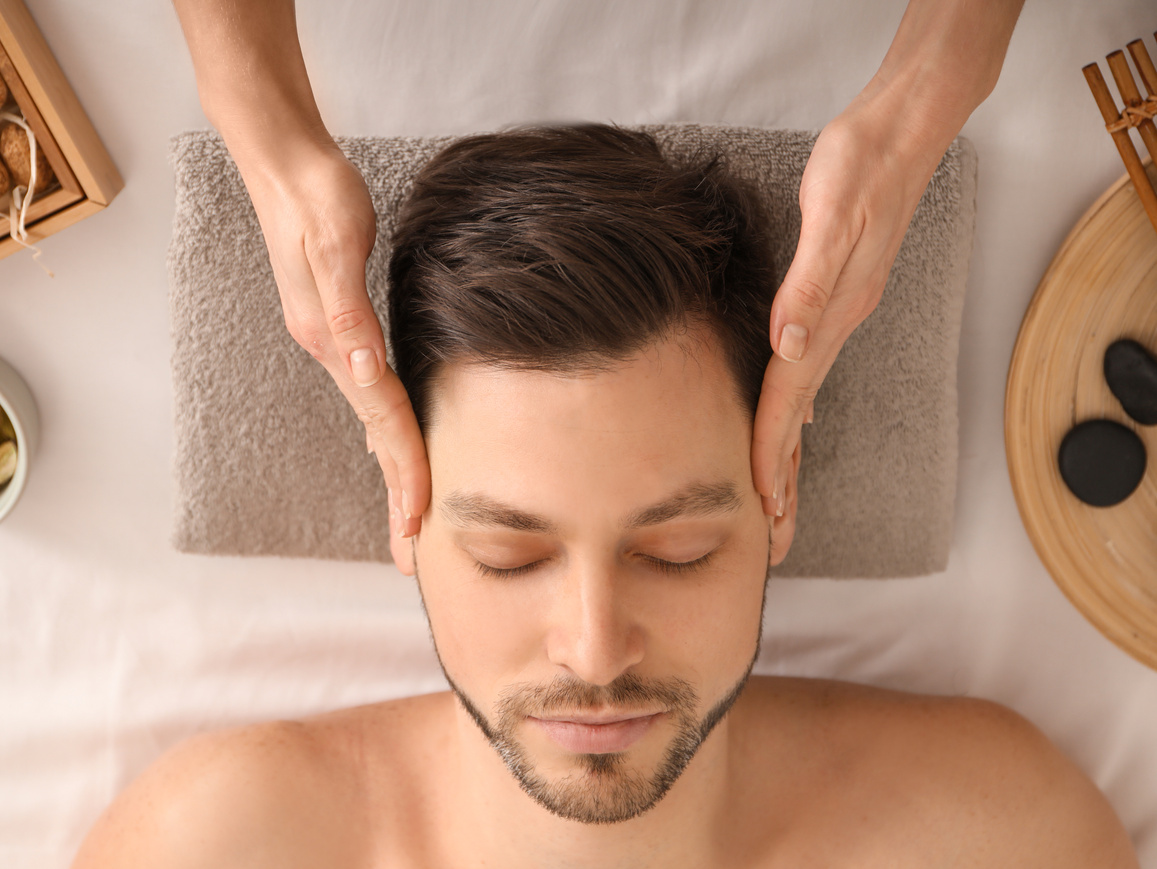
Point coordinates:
pixel 609 440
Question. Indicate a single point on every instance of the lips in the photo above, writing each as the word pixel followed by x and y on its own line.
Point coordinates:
pixel 597 734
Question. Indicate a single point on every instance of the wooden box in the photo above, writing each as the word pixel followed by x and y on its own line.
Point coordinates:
pixel 86 178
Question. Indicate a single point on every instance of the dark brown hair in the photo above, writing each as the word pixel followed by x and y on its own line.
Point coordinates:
pixel 569 248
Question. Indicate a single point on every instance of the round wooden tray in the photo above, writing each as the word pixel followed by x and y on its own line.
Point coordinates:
pixel 1101 286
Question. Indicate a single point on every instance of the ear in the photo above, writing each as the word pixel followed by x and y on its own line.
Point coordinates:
pixel 401 548
pixel 783 527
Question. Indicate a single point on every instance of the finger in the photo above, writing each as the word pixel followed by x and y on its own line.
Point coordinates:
pixel 779 501
pixel 338 265
pixel 793 460
pixel 405 456
pixel 392 430
pixel 397 520
pixel 789 388
pixel 388 466
pixel 786 403
pixel 824 247
pixel 786 394
pixel 384 408
pixel 791 470
pixel 776 504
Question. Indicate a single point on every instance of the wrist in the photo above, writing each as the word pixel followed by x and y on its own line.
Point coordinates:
pixel 272 142
pixel 944 62
pixel 251 78
pixel 912 115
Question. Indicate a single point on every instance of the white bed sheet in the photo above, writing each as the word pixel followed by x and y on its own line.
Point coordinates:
pixel 113 646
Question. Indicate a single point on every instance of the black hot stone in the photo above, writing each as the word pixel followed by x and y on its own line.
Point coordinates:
pixel 1132 375
pixel 1102 462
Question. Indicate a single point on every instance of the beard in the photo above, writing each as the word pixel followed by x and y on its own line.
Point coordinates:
pixel 604 789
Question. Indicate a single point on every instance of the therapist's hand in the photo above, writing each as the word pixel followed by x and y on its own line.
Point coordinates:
pixel 319 227
pixel 858 193
pixel 857 196
pixel 316 215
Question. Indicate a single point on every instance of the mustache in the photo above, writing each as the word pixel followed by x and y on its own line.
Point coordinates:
pixel 567 694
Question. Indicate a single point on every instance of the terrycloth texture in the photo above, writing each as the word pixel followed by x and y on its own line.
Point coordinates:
pixel 270 459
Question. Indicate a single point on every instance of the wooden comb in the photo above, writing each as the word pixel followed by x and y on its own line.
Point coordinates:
pixel 1138 113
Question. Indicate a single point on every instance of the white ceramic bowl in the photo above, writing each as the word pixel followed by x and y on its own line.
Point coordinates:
pixel 19 407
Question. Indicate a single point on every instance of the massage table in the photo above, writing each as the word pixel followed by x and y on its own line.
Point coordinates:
pixel 114 645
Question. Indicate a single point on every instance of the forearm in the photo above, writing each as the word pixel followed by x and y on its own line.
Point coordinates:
pixel 251 76
pixel 943 62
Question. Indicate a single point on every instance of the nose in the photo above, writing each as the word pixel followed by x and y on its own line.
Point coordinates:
pixel 594 633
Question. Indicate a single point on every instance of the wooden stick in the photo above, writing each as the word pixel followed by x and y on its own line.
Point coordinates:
pixel 1133 165
pixel 1144 65
pixel 1132 97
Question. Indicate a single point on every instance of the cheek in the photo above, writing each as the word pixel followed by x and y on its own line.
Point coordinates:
pixel 713 626
pixel 485 631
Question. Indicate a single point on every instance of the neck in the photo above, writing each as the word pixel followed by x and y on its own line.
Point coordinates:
pixel 496 823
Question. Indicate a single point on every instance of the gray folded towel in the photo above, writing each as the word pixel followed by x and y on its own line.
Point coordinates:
pixel 270 459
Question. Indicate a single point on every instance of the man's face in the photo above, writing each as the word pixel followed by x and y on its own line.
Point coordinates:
pixel 593 566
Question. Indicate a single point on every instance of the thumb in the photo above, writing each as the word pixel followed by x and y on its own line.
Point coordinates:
pixel 807 287
pixel 339 271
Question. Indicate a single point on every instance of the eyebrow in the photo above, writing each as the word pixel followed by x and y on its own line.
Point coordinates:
pixel 696 500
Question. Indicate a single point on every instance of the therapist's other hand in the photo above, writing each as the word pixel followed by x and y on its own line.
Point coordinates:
pixel 315 212
pixel 858 193
pixel 319 226
pixel 857 197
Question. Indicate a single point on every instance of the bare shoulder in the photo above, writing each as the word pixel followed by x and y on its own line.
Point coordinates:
pixel 264 795
pixel 952 780
pixel 1009 794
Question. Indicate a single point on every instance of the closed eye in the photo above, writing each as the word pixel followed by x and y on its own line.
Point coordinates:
pixel 678 566
pixel 505 572
pixel 659 564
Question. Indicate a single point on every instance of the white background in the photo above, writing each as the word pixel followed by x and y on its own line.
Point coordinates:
pixel 113 646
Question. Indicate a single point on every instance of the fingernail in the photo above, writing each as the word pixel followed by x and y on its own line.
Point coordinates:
pixel 811 414
pixel 369 443
pixel 792 342
pixel 779 498
pixel 395 517
pixel 364 366
pixel 406 505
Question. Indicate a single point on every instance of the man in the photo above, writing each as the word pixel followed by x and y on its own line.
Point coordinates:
pixel 578 323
